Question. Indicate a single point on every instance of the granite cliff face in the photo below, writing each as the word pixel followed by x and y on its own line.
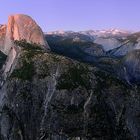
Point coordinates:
pixel 45 96
pixel 19 27
pixel 22 27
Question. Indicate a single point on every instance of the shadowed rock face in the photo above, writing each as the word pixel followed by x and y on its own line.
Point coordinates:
pixel 22 27
pixel 132 64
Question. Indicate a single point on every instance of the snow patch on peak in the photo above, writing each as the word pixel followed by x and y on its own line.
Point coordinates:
pixel 107 33
pixel 56 32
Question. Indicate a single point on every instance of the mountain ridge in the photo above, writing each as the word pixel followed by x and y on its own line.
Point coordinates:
pixel 113 31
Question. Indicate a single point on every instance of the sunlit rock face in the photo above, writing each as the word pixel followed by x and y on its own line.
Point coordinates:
pixel 21 27
pixel 2 35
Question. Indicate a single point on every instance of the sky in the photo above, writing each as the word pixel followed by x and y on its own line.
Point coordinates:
pixel 76 15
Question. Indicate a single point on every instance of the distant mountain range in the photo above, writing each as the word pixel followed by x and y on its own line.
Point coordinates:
pixel 114 42
pixel 99 47
pixel 109 39
pixel 105 32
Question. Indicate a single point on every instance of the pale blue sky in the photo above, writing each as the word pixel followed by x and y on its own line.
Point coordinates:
pixel 76 14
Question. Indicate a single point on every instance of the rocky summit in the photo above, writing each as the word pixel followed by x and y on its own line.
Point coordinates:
pixel 56 95
pixel 22 27
pixel 19 28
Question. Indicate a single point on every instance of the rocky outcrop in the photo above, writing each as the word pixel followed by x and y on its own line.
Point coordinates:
pixel 22 27
pixel 19 27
